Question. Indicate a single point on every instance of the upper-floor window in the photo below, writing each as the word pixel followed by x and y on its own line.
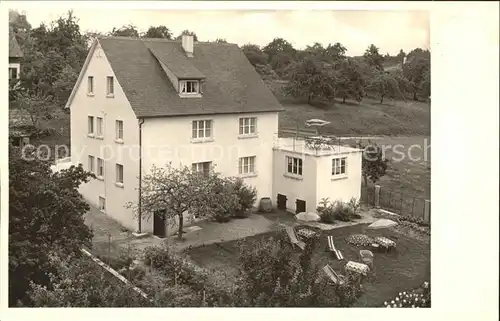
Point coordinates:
pixel 110 86
pixel 294 165
pixel 100 167
pixel 203 167
pixel 339 166
pixel 91 164
pixel 90 85
pixel 99 125
pixel 119 174
pixel 189 87
pixel 202 129
pixel 119 130
pixel 91 125
pixel 12 73
pixel 248 125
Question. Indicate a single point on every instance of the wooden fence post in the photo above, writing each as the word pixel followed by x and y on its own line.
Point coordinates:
pixel 377 196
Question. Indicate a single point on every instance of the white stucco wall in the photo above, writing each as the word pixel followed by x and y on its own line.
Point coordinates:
pixel 294 188
pixel 110 109
pixel 344 188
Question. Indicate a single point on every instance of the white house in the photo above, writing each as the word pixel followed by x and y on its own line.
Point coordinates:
pixel 144 102
pixel 304 174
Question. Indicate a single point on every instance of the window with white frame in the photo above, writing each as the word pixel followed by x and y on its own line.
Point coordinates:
pixel 91 164
pixel 203 167
pixel 189 87
pixel 119 173
pixel 102 203
pixel 100 167
pixel 90 85
pixel 119 130
pixel 246 165
pixel 339 166
pixel 294 165
pixel 99 125
pixel 202 129
pixel 110 86
pixel 91 125
pixel 248 125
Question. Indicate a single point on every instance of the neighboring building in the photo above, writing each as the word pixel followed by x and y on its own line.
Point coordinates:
pixel 303 175
pixel 144 102
pixel 15 56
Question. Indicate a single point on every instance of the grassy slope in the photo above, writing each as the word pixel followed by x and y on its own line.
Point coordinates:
pixel 406 268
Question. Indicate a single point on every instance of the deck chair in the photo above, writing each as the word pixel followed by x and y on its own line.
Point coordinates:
pixel 367 258
pixel 332 275
pixel 332 248
pixel 293 238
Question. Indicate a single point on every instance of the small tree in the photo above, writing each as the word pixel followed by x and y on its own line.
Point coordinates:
pixel 176 191
pixel 374 163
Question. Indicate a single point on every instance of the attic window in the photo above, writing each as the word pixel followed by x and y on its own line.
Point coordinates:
pixel 189 87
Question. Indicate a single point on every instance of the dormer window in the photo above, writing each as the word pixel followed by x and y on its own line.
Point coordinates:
pixel 189 87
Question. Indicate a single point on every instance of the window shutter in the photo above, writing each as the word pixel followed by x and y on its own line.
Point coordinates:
pixel 201 83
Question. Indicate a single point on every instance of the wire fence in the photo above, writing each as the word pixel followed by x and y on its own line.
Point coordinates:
pixel 396 202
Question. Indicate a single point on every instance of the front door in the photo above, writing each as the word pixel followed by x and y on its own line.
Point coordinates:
pixel 301 206
pixel 281 203
pixel 159 226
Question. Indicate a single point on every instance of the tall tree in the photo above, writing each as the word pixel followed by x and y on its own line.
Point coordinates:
pixel 281 54
pixel 158 32
pixel 336 52
pixel 189 33
pixel 125 31
pixel 401 57
pixel 374 164
pixel 46 217
pixel 373 57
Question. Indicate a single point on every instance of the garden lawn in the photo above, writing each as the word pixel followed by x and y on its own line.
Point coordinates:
pixel 401 270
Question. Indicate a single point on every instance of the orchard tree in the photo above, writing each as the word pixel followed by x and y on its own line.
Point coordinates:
pixel 351 83
pixel 311 78
pixel 416 69
pixel 336 52
pixel 374 58
pixel 254 54
pixel 125 31
pixel 278 45
pixel 158 32
pixel 188 33
pixel 46 216
pixel 385 85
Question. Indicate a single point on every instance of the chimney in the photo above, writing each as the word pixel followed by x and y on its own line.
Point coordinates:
pixel 188 45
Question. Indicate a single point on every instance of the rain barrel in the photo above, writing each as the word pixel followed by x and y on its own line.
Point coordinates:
pixel 265 205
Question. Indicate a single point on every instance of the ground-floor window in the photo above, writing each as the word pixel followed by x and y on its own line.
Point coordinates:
pixel 203 167
pixel 246 165
pixel 102 203
pixel 294 165
pixel 339 166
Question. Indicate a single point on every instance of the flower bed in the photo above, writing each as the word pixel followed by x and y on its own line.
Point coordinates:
pixel 418 298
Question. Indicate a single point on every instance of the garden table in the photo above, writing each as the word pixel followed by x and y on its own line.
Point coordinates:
pixel 385 242
pixel 357 267
pixel 307 233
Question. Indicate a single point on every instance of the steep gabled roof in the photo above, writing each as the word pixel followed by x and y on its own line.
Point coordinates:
pixel 14 49
pixel 231 84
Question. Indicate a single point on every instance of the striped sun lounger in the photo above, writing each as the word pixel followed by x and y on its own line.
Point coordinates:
pixel 332 248
pixel 334 277
pixel 293 238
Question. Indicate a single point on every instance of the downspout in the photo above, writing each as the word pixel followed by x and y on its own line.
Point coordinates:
pixel 141 121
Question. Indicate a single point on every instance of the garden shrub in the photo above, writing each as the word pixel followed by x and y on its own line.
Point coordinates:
pixel 247 196
pixel 325 211
pixel 342 211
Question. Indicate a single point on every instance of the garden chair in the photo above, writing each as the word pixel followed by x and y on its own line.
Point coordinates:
pixel 367 258
pixel 332 248
pixel 333 276
pixel 293 238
